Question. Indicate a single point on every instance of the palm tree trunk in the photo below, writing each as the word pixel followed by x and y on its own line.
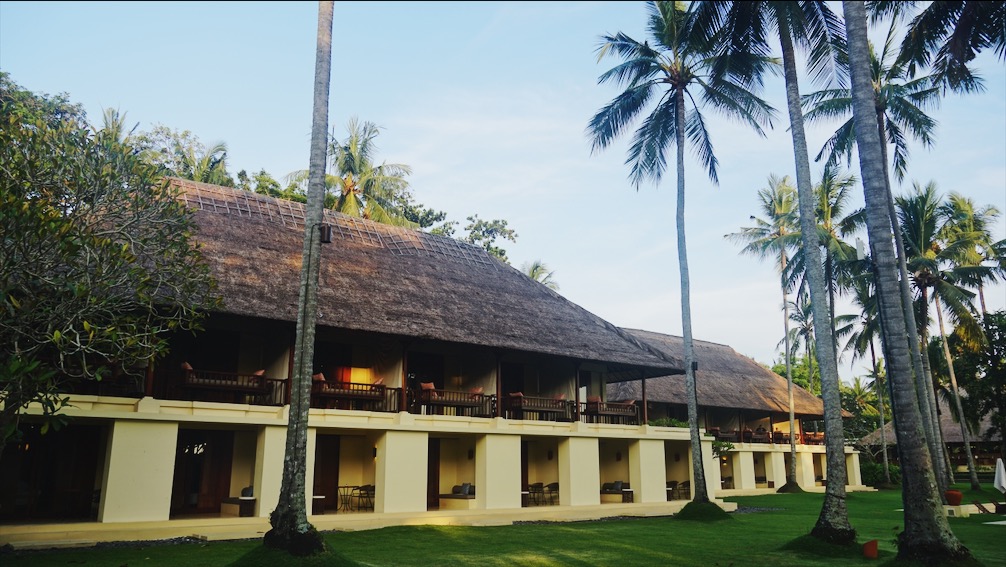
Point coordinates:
pixel 927 536
pixel 929 394
pixel 791 484
pixel 291 530
pixel 880 410
pixel 923 379
pixel 965 434
pixel 833 522
pixel 698 469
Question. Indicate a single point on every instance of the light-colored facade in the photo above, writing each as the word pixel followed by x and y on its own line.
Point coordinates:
pixel 441 369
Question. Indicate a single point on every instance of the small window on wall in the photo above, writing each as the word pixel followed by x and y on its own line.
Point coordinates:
pixel 334 360
pixel 425 367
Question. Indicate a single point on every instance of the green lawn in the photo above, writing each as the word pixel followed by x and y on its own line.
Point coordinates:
pixel 771 535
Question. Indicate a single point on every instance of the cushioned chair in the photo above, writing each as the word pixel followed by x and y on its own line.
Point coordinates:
pixel 536 493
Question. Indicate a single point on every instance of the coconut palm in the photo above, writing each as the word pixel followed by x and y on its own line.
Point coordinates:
pixel 927 536
pixel 862 341
pixel 835 222
pixel 290 528
pixel 899 104
pixel 742 31
pixel 777 234
pixel 668 76
pixel 966 221
pixel 936 276
pixel 946 36
pixel 357 186
pixel 539 272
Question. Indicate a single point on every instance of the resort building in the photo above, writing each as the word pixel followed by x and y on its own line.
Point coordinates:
pixel 448 388
pixel 745 407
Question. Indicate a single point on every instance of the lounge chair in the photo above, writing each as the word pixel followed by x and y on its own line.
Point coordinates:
pixel 999 506
pixel 981 507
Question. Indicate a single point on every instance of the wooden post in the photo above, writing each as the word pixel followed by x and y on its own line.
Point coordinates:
pixel 646 413
pixel 499 386
pixel 402 402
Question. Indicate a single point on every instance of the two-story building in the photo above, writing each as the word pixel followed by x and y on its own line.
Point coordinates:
pixel 745 405
pixel 448 388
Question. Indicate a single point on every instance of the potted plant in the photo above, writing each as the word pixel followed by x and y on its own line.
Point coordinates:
pixel 953 497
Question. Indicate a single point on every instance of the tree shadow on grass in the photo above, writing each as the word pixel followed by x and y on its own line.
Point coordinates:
pixel 262 556
pixel 810 546
pixel 702 512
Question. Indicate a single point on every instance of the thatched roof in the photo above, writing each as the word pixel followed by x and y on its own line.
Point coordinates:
pixel 725 379
pixel 950 428
pixel 384 279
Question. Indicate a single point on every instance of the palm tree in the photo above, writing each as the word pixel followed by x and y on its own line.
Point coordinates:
pixel 800 335
pixel 947 36
pixel 899 104
pixel 742 31
pixel 931 262
pixel 539 272
pixel 927 536
pixel 966 221
pixel 114 126
pixel 673 69
pixel 776 234
pixel 861 340
pixel 832 197
pixel 290 528
pixel 358 187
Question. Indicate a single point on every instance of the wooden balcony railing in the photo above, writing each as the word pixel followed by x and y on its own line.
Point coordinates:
pixel 537 408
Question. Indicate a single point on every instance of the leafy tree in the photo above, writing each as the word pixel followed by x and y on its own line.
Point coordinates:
pixel 860 400
pixel 291 529
pixel 97 260
pixel 181 154
pixel 485 233
pixel 805 370
pixel 982 373
pixel 927 536
pixel 539 272
pixel 674 69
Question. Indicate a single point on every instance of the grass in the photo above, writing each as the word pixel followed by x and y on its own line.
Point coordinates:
pixel 770 530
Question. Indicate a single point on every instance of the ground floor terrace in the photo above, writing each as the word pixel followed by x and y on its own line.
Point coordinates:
pixel 124 464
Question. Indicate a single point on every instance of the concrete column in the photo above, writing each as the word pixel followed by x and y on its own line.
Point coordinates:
pixel 579 471
pixel 646 471
pixel 711 468
pixel 497 472
pixel 270 449
pixel 312 437
pixel 804 469
pixel 400 471
pixel 139 469
pixel 775 468
pixel 744 474
pixel 852 468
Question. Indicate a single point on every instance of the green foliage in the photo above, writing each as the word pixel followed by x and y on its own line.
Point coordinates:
pixel 667 422
pixel 873 473
pixel 485 233
pixel 721 448
pixel 97 259
pixel 980 370
pixel 181 154
pixel 799 367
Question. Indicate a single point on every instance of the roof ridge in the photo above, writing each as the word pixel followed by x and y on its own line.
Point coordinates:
pixel 291 214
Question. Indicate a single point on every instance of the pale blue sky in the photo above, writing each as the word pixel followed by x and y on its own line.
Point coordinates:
pixel 488 103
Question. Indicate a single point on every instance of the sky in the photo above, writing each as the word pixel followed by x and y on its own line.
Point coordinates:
pixel 488 103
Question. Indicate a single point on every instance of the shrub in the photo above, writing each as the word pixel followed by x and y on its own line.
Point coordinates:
pixel 873 473
pixel 667 422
